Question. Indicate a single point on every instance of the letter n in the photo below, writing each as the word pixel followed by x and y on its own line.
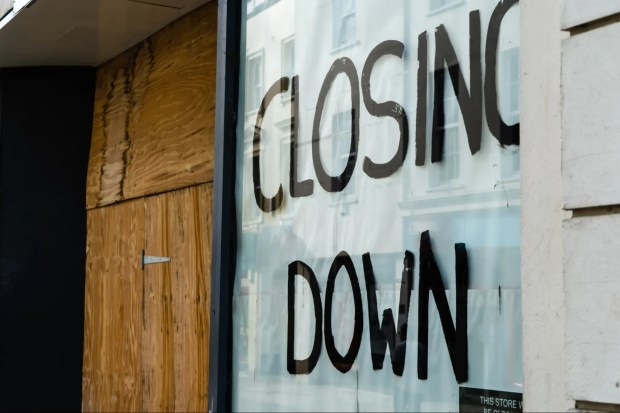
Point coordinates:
pixel 470 101
pixel 430 280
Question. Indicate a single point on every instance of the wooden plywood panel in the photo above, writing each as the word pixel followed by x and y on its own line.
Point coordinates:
pixel 146 345
pixel 154 109
pixel 176 335
pixel 112 371
pixel 158 334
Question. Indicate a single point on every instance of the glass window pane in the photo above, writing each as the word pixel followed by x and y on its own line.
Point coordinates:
pixel 352 243
pixel 343 16
pixel 288 57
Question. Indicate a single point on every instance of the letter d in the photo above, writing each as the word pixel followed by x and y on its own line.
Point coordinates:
pixel 307 365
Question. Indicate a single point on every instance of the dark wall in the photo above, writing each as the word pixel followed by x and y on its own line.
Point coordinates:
pixel 45 130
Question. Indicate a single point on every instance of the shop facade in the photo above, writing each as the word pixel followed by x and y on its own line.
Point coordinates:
pixel 312 206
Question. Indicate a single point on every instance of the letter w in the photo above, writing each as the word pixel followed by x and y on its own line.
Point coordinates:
pixel 387 334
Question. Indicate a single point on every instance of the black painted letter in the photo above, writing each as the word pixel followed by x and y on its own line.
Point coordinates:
pixel 390 108
pixel 343 364
pixel 387 334
pixel 470 102
pixel 506 135
pixel 456 338
pixel 337 183
pixel 304 188
pixel 307 365
pixel 266 204
pixel 420 127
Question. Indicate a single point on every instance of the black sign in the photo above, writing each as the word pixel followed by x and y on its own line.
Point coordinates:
pixel 489 401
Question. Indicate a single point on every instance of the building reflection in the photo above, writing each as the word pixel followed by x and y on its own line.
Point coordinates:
pixel 464 198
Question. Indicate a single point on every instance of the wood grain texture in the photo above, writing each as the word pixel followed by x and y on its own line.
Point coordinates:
pixel 154 113
pixel 147 331
pixel 112 370
pixel 176 336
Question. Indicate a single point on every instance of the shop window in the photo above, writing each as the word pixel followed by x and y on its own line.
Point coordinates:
pixel 447 171
pixel 254 82
pixel 451 212
pixel 343 14
pixel 435 6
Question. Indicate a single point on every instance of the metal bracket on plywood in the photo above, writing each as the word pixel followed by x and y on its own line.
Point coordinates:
pixel 149 259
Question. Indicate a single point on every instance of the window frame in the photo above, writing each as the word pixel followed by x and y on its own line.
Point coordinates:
pixel 249 106
pixel 440 9
pixel 284 71
pixel 224 226
pixel 337 20
pixel 440 184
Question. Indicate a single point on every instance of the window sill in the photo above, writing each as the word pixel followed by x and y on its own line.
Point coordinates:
pixel 451 185
pixel 514 179
pixel 344 205
pixel 342 47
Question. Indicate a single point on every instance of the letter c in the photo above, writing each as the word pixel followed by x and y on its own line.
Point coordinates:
pixel 264 203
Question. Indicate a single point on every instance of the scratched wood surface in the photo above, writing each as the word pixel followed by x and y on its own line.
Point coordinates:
pixel 154 113
pixel 112 371
pixel 146 343
pixel 176 339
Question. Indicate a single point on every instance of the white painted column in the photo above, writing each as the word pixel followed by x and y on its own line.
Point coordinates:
pixel 544 358
pixel 591 171
pixel 570 154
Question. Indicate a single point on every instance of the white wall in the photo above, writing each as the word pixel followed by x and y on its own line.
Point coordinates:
pixel 544 358
pixel 570 220
pixel 590 169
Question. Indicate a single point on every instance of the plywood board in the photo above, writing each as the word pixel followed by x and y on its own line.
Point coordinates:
pixel 112 370
pixel 146 344
pixel 176 334
pixel 154 113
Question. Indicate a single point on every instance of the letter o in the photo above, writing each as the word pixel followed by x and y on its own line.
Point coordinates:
pixel 343 363
pixel 337 183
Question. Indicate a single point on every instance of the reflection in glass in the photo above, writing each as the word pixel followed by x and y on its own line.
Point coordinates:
pixel 448 171
pixel 474 200
pixel 254 83
pixel 343 22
